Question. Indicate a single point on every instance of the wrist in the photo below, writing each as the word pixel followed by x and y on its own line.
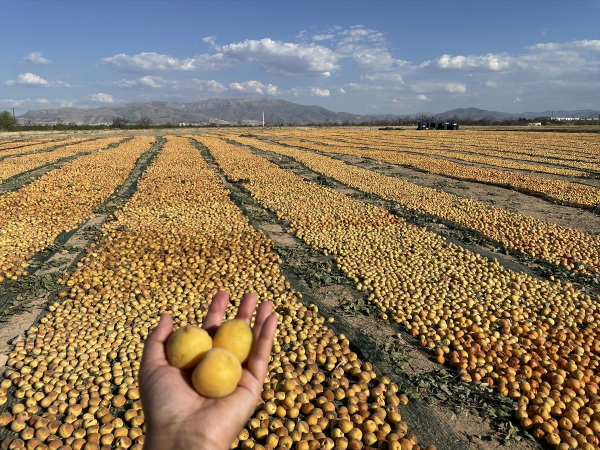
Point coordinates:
pixel 177 440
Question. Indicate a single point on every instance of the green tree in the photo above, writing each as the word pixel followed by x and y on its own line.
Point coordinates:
pixel 7 121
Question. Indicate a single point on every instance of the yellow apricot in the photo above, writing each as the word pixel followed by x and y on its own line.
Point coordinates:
pixel 237 337
pixel 187 346
pixel 218 373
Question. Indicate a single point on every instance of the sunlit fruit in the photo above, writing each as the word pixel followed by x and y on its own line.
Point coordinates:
pixel 237 337
pixel 187 346
pixel 218 373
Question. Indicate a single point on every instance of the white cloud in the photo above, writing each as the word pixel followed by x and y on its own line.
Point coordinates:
pixel 405 66
pixel 322 37
pixel 66 104
pixel 358 33
pixel 149 81
pixel 254 87
pixel 101 97
pixel 145 60
pixel 410 101
pixel 425 87
pixel 10 103
pixel 374 58
pixel 36 58
pixel 570 68
pixel 145 81
pixel 575 61
pixel 283 58
pixel 311 91
pixel 490 61
pixel 279 58
pixel 587 44
pixel 28 80
pixel 124 83
pixel 384 76
pixel 367 47
pixel 517 100
pixel 148 61
pixel 196 85
pixel 60 83
pixel 572 61
pixel 307 57
pixel 318 92
pixel 364 87
pixel 32 80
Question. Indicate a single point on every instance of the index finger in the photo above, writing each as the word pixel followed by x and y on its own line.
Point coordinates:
pixel 246 308
pixel 216 312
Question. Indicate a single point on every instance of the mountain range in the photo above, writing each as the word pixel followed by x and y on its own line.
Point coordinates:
pixel 249 111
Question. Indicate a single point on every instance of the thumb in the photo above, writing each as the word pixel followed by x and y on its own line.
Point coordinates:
pixel 154 348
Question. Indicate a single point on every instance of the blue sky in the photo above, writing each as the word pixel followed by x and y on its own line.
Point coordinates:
pixel 356 56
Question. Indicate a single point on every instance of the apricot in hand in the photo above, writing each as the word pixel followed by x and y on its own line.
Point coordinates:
pixel 187 346
pixel 237 337
pixel 218 373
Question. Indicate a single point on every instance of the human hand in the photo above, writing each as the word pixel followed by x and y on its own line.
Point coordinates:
pixel 177 417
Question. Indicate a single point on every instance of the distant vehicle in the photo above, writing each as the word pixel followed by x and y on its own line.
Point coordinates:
pixel 437 126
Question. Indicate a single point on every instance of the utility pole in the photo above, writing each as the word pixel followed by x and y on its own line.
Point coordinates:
pixel 14 114
pixel 263 118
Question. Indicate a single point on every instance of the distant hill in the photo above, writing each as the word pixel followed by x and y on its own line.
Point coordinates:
pixel 581 113
pixel 226 111
pixel 474 114
pixel 478 114
pixel 249 110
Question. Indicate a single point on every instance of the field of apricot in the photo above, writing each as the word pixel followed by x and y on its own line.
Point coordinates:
pixel 179 235
pixel 534 341
pixel 569 192
pixel 560 245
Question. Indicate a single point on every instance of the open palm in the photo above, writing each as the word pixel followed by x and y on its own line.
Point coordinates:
pixel 176 415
